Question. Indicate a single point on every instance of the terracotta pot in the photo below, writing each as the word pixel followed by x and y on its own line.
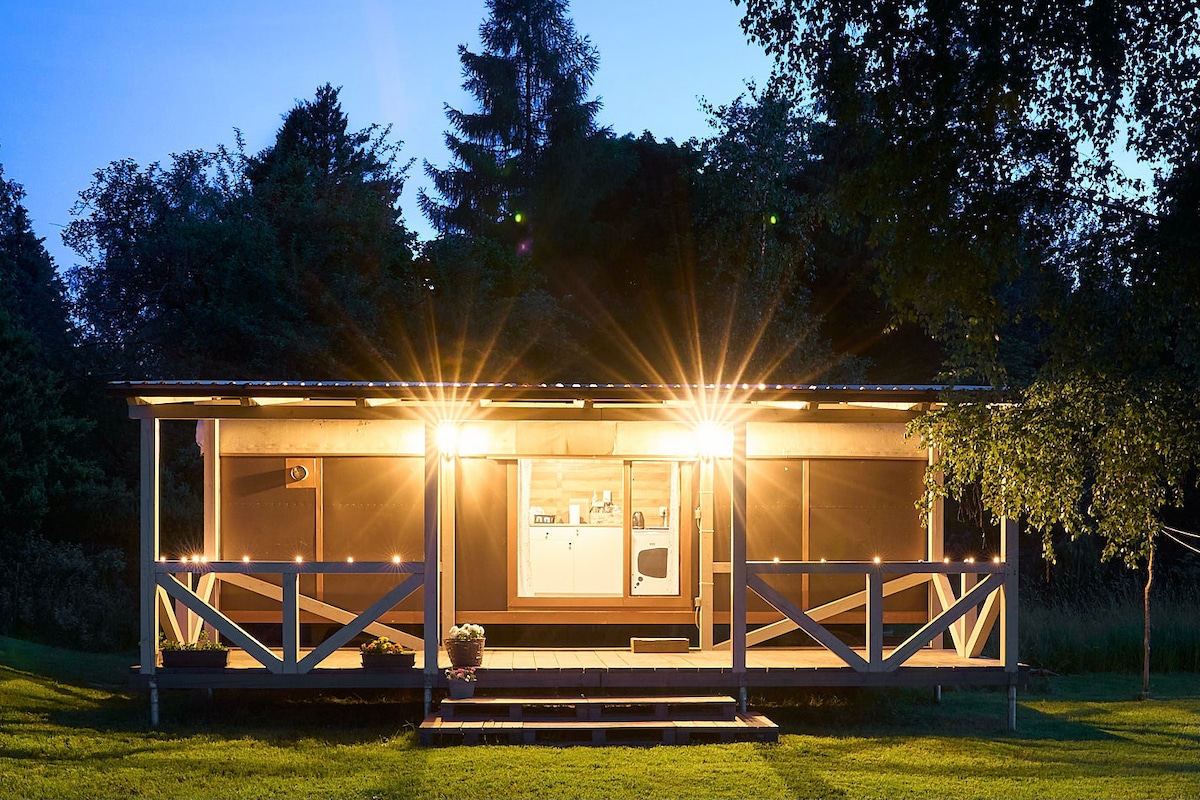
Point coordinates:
pixel 195 659
pixel 388 662
pixel 465 652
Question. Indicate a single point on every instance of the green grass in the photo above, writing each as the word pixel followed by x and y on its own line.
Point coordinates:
pixel 65 736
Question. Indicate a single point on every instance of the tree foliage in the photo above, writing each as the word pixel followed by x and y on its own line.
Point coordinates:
pixel 298 251
pixel 531 84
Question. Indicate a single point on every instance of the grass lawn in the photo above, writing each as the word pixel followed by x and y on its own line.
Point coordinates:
pixel 68 728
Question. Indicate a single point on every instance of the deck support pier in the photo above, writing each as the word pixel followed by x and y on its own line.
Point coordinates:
pixel 153 703
pixel 1012 706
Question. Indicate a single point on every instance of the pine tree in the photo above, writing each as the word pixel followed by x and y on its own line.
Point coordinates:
pixel 531 83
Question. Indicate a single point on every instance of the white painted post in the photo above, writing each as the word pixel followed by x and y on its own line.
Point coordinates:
pixel 707 525
pixel 874 623
pixel 432 558
pixel 737 606
pixel 1009 529
pixel 291 622
pixel 149 547
pixel 936 549
pixel 447 469
pixel 210 446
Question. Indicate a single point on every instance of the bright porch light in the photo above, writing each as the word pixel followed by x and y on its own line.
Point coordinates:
pixel 713 441
pixel 447 439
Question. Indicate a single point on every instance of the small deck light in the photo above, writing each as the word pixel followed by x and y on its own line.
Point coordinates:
pixel 878 559
pixel 946 560
pixel 712 440
pixel 245 559
pixel 970 559
pixel 350 559
pixel 822 561
pixel 776 559
pixel 395 559
pixel 299 559
pixel 996 559
pixel 183 559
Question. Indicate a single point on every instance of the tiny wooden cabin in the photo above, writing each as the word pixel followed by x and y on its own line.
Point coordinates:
pixel 768 519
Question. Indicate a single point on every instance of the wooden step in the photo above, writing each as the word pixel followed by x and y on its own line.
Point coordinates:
pixel 743 727
pixel 598 720
pixel 592 708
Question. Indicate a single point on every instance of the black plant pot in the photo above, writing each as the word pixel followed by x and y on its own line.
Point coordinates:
pixel 195 659
pixel 390 662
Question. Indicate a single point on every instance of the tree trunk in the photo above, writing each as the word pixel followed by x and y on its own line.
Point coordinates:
pixel 1146 622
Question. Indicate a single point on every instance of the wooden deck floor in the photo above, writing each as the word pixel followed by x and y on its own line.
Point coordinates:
pixel 607 668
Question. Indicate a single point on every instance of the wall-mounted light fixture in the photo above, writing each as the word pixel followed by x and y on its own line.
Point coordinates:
pixel 447 439
pixel 713 441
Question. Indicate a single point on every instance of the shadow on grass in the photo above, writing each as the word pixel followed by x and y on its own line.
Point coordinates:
pixel 874 713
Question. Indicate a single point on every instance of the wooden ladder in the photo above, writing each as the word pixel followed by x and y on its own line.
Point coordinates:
pixel 596 720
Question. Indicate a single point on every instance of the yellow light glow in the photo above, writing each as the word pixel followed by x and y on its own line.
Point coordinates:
pixel 395 559
pixel 299 559
pixel 183 560
pixel 163 559
pixel 447 439
pixel 203 559
pixel 970 559
pixel 245 559
pixel 195 559
pixel 996 560
pixel 350 560
pixel 776 559
pixel 877 559
pixel 946 560
pixel 822 561
pixel 712 440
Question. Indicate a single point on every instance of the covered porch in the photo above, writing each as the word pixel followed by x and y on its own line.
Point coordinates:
pixel 850 638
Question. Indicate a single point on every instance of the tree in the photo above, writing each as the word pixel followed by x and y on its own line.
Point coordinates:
pixel 299 250
pixel 531 83
pixel 978 146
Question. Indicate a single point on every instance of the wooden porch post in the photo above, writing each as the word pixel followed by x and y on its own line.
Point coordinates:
pixel 936 550
pixel 291 622
pixel 432 628
pixel 149 545
pixel 1009 528
pixel 737 607
pixel 707 531
pixel 210 446
pixel 447 474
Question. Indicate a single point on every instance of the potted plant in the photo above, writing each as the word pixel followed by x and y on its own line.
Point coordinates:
pixel 464 645
pixel 204 653
pixel 384 655
pixel 461 682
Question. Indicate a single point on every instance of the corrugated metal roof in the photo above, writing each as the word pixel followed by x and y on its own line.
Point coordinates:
pixel 435 391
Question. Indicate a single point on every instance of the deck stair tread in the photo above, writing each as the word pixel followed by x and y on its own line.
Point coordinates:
pixel 595 720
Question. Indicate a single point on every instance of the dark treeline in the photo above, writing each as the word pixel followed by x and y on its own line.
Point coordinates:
pixel 910 199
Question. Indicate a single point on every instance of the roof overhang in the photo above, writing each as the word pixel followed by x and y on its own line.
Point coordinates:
pixel 348 399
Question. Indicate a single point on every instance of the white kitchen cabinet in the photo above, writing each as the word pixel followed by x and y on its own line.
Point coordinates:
pixel 585 560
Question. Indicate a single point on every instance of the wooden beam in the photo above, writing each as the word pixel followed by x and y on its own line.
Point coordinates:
pixel 979 632
pixel 447 467
pixel 946 598
pixel 150 435
pixel 225 626
pixel 210 446
pixel 321 609
pixel 942 621
pixel 831 609
pixel 205 588
pixel 935 543
pixel 807 624
pixel 432 560
pixel 167 618
pixel 291 622
pixel 737 556
pixel 1009 528
pixel 874 620
pixel 356 626
pixel 707 530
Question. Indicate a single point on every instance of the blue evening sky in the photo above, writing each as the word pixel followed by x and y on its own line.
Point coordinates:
pixel 84 83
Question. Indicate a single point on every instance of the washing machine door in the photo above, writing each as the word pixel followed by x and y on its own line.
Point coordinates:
pixel 655 563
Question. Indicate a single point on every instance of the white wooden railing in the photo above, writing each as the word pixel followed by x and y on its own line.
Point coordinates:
pixel 969 615
pixel 196 599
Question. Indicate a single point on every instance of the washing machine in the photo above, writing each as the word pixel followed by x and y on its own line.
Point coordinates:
pixel 655 562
